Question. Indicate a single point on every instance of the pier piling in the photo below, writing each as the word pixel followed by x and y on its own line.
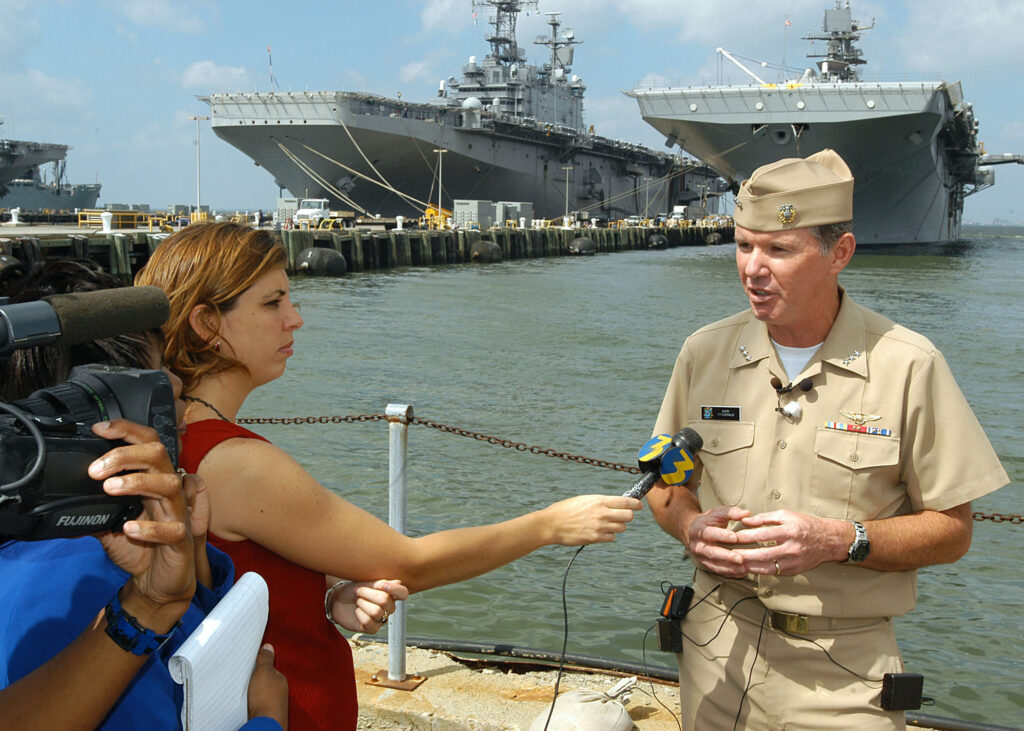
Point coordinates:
pixel 123 253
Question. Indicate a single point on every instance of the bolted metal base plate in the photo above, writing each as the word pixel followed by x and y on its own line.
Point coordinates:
pixel 380 678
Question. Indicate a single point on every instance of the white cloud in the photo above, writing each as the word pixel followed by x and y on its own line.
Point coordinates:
pixel 415 71
pixel 209 76
pixel 169 15
pixel 19 31
pixel 654 80
pixel 439 14
pixel 46 96
pixel 618 117
pixel 985 33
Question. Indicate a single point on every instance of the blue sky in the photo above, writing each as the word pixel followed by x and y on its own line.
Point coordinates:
pixel 118 79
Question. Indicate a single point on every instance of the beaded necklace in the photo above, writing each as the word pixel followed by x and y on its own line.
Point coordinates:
pixel 208 405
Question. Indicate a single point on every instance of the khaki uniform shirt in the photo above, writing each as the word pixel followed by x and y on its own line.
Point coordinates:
pixel 923 448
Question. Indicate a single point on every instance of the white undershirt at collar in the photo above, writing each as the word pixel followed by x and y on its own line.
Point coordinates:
pixel 794 360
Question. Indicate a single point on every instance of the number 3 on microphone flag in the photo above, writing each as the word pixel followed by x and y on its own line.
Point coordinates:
pixel 654 447
pixel 676 466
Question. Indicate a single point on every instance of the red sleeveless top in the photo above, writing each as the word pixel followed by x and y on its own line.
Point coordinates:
pixel 311 653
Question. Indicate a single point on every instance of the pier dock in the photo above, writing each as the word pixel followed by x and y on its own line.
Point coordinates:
pixel 124 252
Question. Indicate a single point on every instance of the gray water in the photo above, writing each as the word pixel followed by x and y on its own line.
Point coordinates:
pixel 574 354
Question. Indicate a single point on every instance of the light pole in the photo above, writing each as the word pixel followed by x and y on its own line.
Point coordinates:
pixel 567 169
pixel 198 206
pixel 440 152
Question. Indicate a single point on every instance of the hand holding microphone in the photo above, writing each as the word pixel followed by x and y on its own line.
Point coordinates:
pixel 670 458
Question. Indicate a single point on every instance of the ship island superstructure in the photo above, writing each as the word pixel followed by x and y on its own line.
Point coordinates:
pixel 506 131
pixel 912 146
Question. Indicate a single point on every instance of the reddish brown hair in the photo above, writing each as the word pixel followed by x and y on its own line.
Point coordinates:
pixel 209 264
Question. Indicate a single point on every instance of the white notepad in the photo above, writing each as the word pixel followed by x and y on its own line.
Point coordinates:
pixel 215 663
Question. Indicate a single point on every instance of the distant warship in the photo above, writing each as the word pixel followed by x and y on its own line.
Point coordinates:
pixel 508 131
pixel 912 146
pixel 21 180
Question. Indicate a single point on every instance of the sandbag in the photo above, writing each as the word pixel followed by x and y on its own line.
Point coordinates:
pixel 589 710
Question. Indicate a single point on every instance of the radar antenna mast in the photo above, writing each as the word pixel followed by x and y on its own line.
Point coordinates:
pixel 841 58
pixel 561 48
pixel 504 48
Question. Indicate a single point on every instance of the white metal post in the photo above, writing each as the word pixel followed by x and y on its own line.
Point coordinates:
pixel 398 416
pixel 440 159
pixel 199 207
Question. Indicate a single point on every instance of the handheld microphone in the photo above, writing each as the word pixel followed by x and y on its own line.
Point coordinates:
pixel 670 458
pixel 81 317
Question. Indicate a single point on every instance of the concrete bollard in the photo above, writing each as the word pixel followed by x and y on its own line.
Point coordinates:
pixel 399 220
pixel 107 217
pixel 15 213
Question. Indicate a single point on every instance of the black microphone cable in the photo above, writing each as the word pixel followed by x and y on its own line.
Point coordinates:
pixel 653 693
pixel 565 636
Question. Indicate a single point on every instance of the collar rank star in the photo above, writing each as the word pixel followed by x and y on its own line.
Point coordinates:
pixel 852 357
pixel 787 213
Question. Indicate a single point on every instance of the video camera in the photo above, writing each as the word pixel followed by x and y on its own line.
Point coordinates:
pixel 46 443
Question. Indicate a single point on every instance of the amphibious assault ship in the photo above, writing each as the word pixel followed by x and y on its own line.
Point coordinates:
pixel 22 183
pixel 912 147
pixel 507 131
pixel 37 192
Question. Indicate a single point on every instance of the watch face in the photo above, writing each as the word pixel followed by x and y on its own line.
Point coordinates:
pixel 859 551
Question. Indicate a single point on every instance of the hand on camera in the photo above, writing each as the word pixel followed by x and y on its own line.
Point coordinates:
pixel 157 549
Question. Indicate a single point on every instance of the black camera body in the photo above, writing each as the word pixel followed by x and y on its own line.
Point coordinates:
pixel 46 446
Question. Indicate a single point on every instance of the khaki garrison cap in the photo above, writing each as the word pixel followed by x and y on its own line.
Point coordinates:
pixel 796 193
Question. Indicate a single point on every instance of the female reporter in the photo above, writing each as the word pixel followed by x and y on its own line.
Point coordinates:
pixel 231 330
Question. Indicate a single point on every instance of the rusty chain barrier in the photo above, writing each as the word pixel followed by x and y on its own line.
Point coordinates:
pixel 1013 518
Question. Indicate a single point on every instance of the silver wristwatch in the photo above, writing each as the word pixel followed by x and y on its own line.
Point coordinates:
pixel 861 546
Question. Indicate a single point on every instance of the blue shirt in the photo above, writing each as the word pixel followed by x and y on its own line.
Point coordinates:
pixel 53 589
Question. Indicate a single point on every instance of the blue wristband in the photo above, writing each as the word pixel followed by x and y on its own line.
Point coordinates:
pixel 129 635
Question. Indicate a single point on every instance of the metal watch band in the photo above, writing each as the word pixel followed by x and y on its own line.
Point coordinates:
pixel 858 550
pixel 129 634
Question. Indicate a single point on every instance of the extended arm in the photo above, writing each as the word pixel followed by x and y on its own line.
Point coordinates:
pixel 263 495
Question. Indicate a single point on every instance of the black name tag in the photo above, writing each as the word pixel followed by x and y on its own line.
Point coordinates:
pixel 720 413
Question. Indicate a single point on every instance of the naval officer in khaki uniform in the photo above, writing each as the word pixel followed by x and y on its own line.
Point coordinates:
pixel 839 456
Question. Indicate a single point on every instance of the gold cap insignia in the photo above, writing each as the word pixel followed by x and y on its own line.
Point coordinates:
pixel 787 213
pixel 858 417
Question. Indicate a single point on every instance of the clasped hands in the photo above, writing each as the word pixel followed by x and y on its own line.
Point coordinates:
pixel 732 542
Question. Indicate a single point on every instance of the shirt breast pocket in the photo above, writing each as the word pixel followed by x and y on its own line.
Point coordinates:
pixel 725 454
pixel 856 476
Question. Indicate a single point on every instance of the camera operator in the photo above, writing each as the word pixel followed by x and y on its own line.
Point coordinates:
pixel 66 651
